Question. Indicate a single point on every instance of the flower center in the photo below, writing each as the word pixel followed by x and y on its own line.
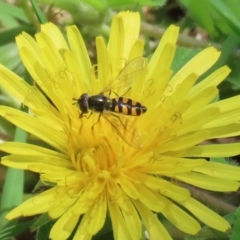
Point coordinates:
pixel 104 175
pixel 99 164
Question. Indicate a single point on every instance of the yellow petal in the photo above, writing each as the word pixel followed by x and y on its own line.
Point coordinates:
pixel 64 226
pixel 214 150
pixel 123 35
pixel 179 218
pixel 30 124
pixel 208 182
pixel 150 199
pixel 132 219
pixel 230 130
pixel 25 161
pixel 17 148
pixel 185 142
pixel 154 227
pixel 206 215
pixel 198 64
pixel 80 53
pixel 214 79
pixel 35 205
pixel 169 38
pixel 97 216
pixel 55 35
pixel 219 170
pixel 120 230
pixel 103 62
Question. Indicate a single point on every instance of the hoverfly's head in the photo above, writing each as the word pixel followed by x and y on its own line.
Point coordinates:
pixel 82 102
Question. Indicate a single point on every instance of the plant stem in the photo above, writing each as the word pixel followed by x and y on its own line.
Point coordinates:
pixel 183 40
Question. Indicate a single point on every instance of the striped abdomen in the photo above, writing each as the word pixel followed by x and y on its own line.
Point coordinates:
pixel 127 106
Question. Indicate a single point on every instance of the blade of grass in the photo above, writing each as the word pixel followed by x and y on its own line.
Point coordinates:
pixel 41 17
pixel 11 15
pixel 236 226
pixel 12 194
pixel 13 11
pixel 228 15
pixel 14 230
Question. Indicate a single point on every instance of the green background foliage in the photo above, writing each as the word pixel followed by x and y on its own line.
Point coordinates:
pixel 203 23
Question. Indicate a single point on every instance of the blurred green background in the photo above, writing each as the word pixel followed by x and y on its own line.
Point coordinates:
pixel 202 23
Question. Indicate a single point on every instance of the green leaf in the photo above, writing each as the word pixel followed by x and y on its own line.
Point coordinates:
pixel 200 11
pixel 8 21
pixel 44 231
pixel 9 57
pixel 231 86
pixel 215 15
pixel 234 7
pixel 10 34
pixel 108 236
pixel 38 186
pixel 41 17
pixel 7 129
pixel 223 10
pixel 230 217
pixel 42 220
pixel 230 44
pixel 14 230
pixel 236 226
pixel 10 14
pixel 219 160
pixel 12 194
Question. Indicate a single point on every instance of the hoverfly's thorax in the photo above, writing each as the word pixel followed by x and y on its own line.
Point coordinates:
pixel 98 103
pixel 108 104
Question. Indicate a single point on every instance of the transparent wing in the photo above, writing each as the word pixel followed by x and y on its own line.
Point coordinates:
pixel 124 128
pixel 130 73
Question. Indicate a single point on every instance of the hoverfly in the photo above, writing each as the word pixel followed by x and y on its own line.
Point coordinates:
pixel 113 109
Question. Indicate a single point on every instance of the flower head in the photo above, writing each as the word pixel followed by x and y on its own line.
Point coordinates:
pixel 97 169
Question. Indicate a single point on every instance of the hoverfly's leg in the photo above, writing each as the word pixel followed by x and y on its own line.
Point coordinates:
pixel 89 115
pixel 100 114
pixel 81 115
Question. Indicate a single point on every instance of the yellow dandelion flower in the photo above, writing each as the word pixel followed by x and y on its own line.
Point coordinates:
pixel 93 166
